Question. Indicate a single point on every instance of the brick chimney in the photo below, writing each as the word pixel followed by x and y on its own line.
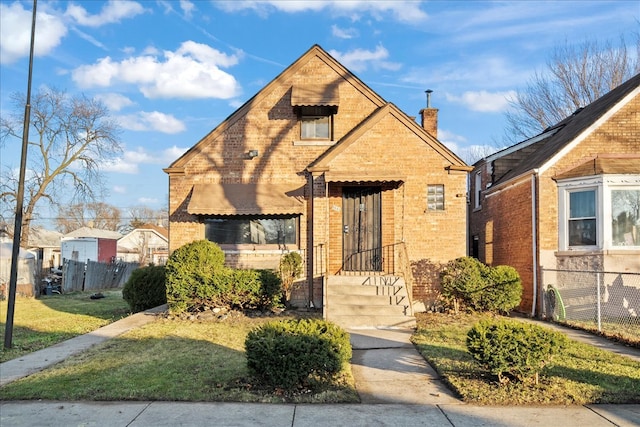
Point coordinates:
pixel 429 117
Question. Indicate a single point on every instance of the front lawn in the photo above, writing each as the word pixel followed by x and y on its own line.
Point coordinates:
pixel 173 359
pixel 582 374
pixel 42 322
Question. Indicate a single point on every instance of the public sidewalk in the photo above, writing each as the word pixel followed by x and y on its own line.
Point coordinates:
pixel 396 386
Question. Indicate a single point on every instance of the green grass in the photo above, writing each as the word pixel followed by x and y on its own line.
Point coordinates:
pixel 582 374
pixel 172 360
pixel 48 320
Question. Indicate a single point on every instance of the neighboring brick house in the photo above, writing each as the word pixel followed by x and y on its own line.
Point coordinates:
pixel 318 162
pixel 568 198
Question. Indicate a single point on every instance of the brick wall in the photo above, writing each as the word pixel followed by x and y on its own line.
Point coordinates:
pixel 268 124
pixel 503 223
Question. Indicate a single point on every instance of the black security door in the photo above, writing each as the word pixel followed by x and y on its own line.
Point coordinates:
pixel 361 229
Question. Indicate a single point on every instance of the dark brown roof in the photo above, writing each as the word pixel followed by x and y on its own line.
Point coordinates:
pixel 569 129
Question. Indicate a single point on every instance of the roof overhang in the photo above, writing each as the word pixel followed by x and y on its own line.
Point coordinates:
pixel 246 199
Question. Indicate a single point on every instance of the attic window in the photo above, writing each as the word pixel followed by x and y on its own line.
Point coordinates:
pixel 316 122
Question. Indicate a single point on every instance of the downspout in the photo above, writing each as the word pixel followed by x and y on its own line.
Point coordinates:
pixel 310 243
pixel 534 239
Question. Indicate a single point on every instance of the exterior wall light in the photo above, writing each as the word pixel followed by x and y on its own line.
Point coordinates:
pixel 253 153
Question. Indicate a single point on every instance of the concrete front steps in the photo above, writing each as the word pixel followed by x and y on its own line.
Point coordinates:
pixel 368 301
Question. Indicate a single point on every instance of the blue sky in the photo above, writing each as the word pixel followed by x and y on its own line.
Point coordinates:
pixel 170 71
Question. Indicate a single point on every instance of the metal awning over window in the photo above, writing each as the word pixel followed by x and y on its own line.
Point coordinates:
pixel 371 176
pixel 315 95
pixel 245 199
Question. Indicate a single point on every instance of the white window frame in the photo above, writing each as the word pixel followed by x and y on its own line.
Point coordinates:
pixel 477 190
pixel 604 185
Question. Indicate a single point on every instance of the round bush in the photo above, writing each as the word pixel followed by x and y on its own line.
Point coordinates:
pixel 469 283
pixel 512 348
pixel 284 354
pixel 145 288
pixel 191 275
pixel 504 290
pixel 463 280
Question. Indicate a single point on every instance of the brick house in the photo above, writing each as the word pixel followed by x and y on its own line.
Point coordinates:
pixel 566 199
pixel 317 162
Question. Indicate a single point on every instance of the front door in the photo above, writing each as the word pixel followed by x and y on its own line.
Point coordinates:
pixel 361 229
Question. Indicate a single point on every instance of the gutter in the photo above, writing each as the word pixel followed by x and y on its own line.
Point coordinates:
pixel 534 238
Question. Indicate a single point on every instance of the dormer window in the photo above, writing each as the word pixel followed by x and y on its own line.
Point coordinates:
pixel 315 106
pixel 316 122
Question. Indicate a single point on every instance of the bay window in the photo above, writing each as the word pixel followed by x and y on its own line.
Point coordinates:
pixel 599 213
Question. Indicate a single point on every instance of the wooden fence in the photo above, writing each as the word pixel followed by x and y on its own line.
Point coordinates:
pixel 90 276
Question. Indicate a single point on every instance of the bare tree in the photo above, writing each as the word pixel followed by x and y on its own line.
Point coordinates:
pixel 576 75
pixel 72 136
pixel 141 215
pixel 95 214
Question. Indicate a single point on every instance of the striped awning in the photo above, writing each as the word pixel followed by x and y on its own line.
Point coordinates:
pixel 315 95
pixel 246 199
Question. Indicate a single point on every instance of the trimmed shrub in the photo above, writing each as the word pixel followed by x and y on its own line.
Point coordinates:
pixel 145 288
pixel 290 268
pixel 463 279
pixel 515 349
pixel 504 290
pixel 251 289
pixel 284 354
pixel 195 276
pixel 468 283
pixel 271 288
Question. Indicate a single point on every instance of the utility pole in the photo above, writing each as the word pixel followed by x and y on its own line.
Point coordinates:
pixel 17 231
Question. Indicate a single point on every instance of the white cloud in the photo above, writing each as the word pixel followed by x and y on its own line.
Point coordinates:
pixel 145 201
pixel 404 11
pixel 151 121
pixel 192 71
pixel 483 101
pixel 15 32
pixel 131 160
pixel 359 59
pixel 114 101
pixel 343 33
pixel 119 189
pixel 187 7
pixel 113 11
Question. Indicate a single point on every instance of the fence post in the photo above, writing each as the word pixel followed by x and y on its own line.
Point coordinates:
pixel 598 277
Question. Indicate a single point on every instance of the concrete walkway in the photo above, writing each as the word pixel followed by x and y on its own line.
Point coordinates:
pixel 396 386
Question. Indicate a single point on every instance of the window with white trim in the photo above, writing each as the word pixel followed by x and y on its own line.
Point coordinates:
pixel 477 186
pixel 599 212
pixel 582 218
pixel 625 217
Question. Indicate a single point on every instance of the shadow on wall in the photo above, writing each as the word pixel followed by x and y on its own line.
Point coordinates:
pixel 427 287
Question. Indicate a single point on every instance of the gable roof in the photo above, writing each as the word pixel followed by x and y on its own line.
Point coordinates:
pixel 322 162
pixel 160 231
pixel 314 52
pixel 93 232
pixel 568 132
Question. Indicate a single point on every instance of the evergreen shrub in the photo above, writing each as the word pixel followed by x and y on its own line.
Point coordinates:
pixel 285 354
pixel 197 279
pixel 514 349
pixel 195 276
pixel 468 283
pixel 145 288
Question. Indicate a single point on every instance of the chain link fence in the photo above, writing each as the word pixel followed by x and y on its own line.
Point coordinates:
pixel 608 302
